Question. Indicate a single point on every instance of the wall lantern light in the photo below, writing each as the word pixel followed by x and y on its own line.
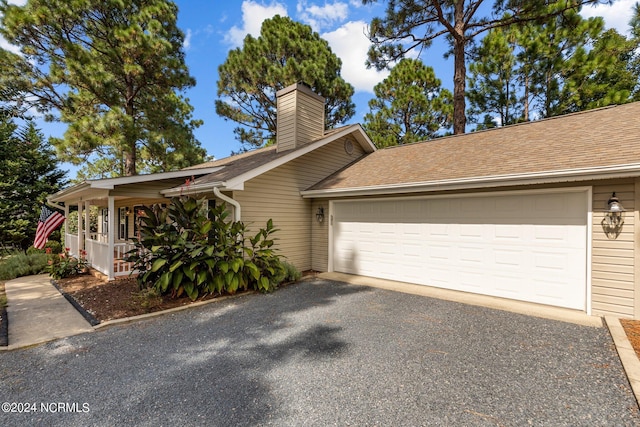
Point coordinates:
pixel 615 212
pixel 320 214
pixel 613 217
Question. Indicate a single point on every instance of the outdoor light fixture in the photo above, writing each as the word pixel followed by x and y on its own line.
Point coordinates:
pixel 614 213
pixel 320 214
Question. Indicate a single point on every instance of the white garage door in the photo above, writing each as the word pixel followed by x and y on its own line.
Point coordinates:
pixel 530 247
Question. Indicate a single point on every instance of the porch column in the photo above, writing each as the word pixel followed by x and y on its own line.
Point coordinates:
pixel 66 220
pixel 86 222
pixel 80 228
pixel 111 236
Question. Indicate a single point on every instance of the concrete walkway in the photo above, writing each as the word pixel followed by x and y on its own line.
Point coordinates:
pixel 38 313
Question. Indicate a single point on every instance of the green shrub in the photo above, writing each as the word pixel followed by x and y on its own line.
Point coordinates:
pixel 291 273
pixel 20 264
pixel 148 298
pixel 54 247
pixel 51 247
pixel 185 249
pixel 32 250
pixel 64 265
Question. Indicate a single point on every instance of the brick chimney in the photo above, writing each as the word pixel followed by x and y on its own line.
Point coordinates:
pixel 300 116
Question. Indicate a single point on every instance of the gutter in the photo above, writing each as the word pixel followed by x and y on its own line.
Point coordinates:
pixel 54 205
pixel 548 177
pixel 236 205
pixel 195 188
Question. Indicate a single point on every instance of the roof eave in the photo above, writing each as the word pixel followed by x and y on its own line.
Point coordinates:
pixel 67 192
pixel 192 189
pixel 547 177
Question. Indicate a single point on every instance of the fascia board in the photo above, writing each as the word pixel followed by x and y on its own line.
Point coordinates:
pixel 111 183
pixel 67 193
pixel 550 177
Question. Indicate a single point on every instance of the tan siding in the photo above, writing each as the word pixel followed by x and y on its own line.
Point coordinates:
pixel 300 119
pixel 613 260
pixel 320 237
pixel 635 215
pixel 276 195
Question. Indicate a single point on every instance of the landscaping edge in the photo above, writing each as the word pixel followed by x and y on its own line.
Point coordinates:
pixel 4 327
pixel 87 316
pixel 627 354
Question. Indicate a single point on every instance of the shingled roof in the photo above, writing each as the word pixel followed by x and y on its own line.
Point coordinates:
pixel 235 169
pixel 606 139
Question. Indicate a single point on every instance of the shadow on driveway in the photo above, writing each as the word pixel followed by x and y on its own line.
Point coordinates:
pixel 326 353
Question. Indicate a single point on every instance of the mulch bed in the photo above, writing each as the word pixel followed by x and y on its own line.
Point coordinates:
pixel 632 328
pixel 103 300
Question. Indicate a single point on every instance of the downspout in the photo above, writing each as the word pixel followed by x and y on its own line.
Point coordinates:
pixel 54 205
pixel 234 203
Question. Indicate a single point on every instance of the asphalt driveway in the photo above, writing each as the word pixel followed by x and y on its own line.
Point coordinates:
pixel 323 353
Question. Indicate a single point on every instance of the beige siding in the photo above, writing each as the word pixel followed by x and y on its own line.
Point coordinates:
pixel 613 260
pixel 320 237
pixel 300 118
pixel 276 195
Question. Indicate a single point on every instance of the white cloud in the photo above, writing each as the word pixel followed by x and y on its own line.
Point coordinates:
pixel 616 15
pixel 320 17
pixel 8 46
pixel 186 44
pixel 351 45
pixel 4 44
pixel 253 14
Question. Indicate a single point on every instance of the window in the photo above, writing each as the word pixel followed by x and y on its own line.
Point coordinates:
pixel 105 221
pixel 123 223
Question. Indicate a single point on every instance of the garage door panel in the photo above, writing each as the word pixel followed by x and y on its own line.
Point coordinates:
pixel 516 246
pixel 472 231
pixel 471 255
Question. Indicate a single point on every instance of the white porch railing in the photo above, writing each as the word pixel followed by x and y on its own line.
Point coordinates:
pixel 97 256
pixel 99 237
pixel 120 266
pixel 71 242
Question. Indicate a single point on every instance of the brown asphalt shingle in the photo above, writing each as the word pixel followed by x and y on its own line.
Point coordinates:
pixel 604 137
pixel 242 163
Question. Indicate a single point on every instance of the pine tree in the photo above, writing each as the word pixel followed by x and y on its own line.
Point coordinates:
pixel 410 106
pixel 28 174
pixel 113 71
pixel 414 24
pixel 286 52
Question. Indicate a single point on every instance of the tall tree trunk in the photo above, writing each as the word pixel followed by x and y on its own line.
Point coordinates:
pixel 459 71
pixel 130 159
pixel 459 87
pixel 130 136
pixel 526 98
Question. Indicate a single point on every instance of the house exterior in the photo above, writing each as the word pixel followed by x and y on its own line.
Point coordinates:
pixel 258 185
pixel 518 212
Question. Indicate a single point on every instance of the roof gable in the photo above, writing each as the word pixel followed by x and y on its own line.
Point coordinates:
pixel 236 170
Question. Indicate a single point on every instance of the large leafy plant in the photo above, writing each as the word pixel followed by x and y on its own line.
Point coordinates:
pixel 188 248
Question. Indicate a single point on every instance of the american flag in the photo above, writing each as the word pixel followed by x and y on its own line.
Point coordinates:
pixel 50 219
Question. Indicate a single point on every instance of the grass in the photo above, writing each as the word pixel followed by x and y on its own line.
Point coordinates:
pixel 20 264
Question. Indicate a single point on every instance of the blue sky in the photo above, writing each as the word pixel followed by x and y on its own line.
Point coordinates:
pixel 214 27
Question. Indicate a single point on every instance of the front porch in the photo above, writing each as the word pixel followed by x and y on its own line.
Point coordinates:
pixel 107 215
pixel 97 250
